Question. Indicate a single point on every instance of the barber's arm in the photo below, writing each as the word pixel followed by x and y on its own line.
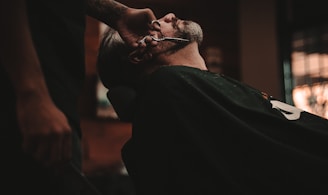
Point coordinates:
pixel 131 23
pixel 46 133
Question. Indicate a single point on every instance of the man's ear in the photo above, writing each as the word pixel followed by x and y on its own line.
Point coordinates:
pixel 137 57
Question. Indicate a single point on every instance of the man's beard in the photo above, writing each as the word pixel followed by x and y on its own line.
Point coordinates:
pixel 191 31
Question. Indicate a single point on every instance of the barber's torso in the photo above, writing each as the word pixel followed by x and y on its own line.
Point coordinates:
pixel 57 28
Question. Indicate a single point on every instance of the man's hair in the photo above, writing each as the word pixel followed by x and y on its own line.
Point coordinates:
pixel 113 64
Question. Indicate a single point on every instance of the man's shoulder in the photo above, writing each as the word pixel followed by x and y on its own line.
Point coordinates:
pixel 174 70
pixel 175 74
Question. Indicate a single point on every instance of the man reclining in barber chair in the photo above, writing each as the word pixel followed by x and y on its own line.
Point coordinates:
pixel 195 132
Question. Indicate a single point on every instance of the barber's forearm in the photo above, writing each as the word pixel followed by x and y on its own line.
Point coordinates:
pixel 17 52
pixel 107 11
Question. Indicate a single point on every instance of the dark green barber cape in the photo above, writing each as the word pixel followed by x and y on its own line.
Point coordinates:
pixel 199 133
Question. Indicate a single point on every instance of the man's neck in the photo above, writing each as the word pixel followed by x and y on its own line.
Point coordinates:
pixel 187 56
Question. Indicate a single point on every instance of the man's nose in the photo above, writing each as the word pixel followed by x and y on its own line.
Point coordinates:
pixel 169 17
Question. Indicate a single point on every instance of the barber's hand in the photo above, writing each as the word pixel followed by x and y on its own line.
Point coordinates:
pixel 135 24
pixel 45 131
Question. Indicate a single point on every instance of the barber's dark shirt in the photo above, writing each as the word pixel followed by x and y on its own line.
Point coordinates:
pixel 57 28
pixel 58 32
pixel 200 133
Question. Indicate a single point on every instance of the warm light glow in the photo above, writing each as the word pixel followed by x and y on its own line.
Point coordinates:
pixel 312 99
pixel 312 64
pixel 311 96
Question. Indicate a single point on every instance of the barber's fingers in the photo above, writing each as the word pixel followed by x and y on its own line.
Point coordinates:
pixel 147 41
pixel 152 21
pixel 155 25
pixel 140 55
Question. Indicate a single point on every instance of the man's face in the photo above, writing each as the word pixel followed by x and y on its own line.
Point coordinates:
pixel 174 35
pixel 171 26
